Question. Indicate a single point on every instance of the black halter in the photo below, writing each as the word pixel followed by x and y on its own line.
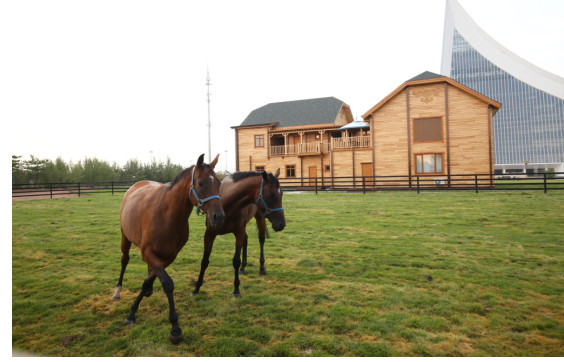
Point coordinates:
pixel 260 198
pixel 199 202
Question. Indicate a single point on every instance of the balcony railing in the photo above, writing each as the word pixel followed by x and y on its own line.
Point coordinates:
pixel 318 147
pixel 300 148
pixel 350 142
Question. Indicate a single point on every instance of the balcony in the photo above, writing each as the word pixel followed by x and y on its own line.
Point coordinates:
pixel 299 149
pixel 350 142
pixel 318 147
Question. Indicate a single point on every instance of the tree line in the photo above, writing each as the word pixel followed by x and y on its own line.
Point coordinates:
pixel 36 170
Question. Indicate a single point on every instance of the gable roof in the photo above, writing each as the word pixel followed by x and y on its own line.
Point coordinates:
pixel 430 78
pixel 425 75
pixel 296 113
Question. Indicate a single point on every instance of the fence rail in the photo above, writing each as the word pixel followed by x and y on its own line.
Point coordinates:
pixel 475 182
pixel 43 190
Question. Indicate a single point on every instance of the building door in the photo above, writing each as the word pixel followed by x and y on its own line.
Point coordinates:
pixel 367 172
pixel 312 175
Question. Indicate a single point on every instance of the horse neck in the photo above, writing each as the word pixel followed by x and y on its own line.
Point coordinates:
pixel 179 196
pixel 243 192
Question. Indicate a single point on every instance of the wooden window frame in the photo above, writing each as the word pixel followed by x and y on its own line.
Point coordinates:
pixel 261 138
pixel 420 134
pixel 260 168
pixel 435 172
pixel 293 167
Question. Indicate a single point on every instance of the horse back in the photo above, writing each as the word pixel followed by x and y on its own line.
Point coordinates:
pixel 137 207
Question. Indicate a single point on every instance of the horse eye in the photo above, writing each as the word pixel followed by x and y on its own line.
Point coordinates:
pixel 200 183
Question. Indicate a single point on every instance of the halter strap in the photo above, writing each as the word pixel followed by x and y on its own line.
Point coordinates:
pixel 199 202
pixel 260 198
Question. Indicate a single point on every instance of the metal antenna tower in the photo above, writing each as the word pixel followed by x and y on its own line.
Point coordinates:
pixel 208 83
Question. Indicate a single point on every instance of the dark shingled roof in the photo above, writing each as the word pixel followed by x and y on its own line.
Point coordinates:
pixel 425 76
pixel 296 113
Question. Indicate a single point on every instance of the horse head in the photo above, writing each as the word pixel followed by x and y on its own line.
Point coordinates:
pixel 204 192
pixel 270 200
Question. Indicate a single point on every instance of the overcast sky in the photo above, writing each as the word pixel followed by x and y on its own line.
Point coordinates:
pixel 119 80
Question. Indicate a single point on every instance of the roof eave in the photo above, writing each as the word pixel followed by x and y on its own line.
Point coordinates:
pixel 454 83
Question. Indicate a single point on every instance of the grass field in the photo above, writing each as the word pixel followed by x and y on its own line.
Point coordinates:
pixel 381 274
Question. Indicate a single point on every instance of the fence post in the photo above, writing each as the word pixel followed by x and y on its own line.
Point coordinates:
pixel 417 184
pixel 364 185
pixel 476 182
pixel 51 190
pixel 79 189
pixel 544 179
pixel 316 185
pixel 112 187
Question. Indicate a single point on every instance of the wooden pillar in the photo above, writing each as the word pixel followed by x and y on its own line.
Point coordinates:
pixel 373 145
pixel 408 134
pixel 236 150
pixel 447 124
pixel 268 143
pixel 490 141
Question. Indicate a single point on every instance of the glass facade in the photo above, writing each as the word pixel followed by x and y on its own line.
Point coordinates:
pixel 530 124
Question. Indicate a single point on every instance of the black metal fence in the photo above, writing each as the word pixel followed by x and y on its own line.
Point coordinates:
pixel 474 182
pixel 66 189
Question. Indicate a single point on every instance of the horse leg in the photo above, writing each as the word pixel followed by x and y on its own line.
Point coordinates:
pixel 209 238
pixel 244 262
pixel 261 224
pixel 125 246
pixel 239 241
pixel 149 291
pixel 175 335
pixel 147 284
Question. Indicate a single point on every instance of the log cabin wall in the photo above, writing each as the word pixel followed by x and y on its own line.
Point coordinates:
pixel 465 145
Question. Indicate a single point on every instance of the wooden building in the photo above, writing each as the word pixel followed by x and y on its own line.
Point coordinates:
pixel 430 125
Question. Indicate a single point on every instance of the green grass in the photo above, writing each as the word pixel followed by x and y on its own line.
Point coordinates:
pixel 349 276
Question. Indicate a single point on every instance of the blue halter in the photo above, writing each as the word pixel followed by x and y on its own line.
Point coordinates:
pixel 267 209
pixel 199 202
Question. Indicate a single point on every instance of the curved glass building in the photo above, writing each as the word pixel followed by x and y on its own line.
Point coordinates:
pixel 529 127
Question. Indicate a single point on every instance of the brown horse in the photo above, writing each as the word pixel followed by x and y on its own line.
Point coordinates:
pixel 243 194
pixel 154 217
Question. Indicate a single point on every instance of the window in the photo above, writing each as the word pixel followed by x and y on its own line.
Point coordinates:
pixel 259 141
pixel 429 163
pixel 259 168
pixel 290 171
pixel 427 129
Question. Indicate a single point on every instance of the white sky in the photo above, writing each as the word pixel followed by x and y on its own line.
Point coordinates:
pixel 119 80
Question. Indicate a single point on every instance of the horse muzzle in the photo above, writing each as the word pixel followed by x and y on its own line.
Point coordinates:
pixel 216 218
pixel 278 224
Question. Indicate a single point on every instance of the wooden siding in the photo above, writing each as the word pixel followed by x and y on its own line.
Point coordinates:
pixel 466 144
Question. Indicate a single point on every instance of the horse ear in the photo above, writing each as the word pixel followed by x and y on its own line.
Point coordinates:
pixel 277 173
pixel 214 162
pixel 264 175
pixel 200 160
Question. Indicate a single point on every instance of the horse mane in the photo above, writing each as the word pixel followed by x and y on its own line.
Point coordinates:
pixel 238 176
pixel 184 173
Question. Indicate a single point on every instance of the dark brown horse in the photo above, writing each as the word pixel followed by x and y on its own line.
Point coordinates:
pixel 154 217
pixel 243 194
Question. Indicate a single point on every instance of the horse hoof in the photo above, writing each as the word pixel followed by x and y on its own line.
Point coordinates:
pixel 175 339
pixel 242 272
pixel 237 295
pixel 129 321
pixel 114 298
pixel 195 292
pixel 262 272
